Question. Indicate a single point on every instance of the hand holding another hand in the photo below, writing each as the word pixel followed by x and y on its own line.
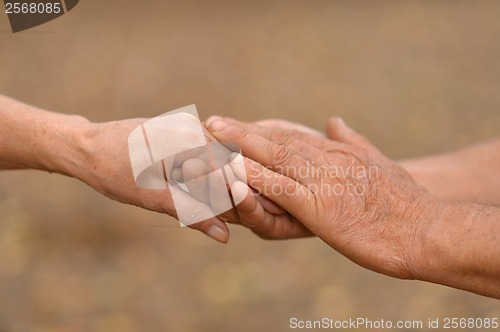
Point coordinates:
pixel 105 154
pixel 346 191
pixel 342 189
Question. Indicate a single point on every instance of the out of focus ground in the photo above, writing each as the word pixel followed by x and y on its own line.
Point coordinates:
pixel 416 77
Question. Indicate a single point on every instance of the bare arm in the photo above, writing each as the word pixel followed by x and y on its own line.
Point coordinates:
pixel 33 138
pixel 470 174
pixel 97 154
pixel 389 224
pixel 459 246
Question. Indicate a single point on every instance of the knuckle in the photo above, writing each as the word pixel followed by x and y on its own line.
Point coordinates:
pixel 288 186
pixel 264 235
pixel 281 156
pixel 360 152
pixel 243 136
pixel 280 137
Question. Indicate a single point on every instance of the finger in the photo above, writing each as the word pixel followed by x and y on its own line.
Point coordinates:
pixel 162 201
pixel 287 125
pixel 237 165
pixel 280 135
pixel 176 174
pixel 219 197
pixel 336 129
pixel 291 195
pixel 253 215
pixel 300 141
pixel 180 158
pixel 267 204
pixel 308 146
pixel 218 155
pixel 280 158
pixel 195 178
pixel 213 228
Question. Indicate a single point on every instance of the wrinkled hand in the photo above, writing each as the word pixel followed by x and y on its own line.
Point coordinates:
pixel 107 169
pixel 346 192
pixel 109 172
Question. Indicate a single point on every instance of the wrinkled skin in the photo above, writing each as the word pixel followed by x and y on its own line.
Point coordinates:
pixel 372 215
pixel 110 173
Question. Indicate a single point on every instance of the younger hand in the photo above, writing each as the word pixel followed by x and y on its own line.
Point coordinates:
pixel 106 167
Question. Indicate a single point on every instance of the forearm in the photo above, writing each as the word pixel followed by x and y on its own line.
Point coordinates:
pixel 97 154
pixel 471 174
pixel 34 138
pixel 460 247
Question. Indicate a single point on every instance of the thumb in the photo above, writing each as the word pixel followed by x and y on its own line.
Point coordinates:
pixel 337 130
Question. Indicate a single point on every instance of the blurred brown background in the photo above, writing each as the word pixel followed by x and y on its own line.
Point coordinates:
pixel 416 77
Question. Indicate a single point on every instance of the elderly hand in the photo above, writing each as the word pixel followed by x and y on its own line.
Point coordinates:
pixel 107 169
pixel 351 196
pixel 368 207
pixel 98 154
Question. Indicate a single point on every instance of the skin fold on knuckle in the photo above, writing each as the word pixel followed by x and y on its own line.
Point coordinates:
pixel 281 231
pixel 250 221
pixel 264 235
pixel 281 158
pixel 241 135
pixel 280 137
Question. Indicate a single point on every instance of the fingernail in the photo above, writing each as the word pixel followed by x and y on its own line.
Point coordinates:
pixel 212 119
pixel 218 125
pixel 218 234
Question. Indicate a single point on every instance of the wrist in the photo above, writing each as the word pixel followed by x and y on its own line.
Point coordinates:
pixel 71 156
pixel 100 157
pixel 415 214
pixel 444 254
pixel 454 244
pixel 424 252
